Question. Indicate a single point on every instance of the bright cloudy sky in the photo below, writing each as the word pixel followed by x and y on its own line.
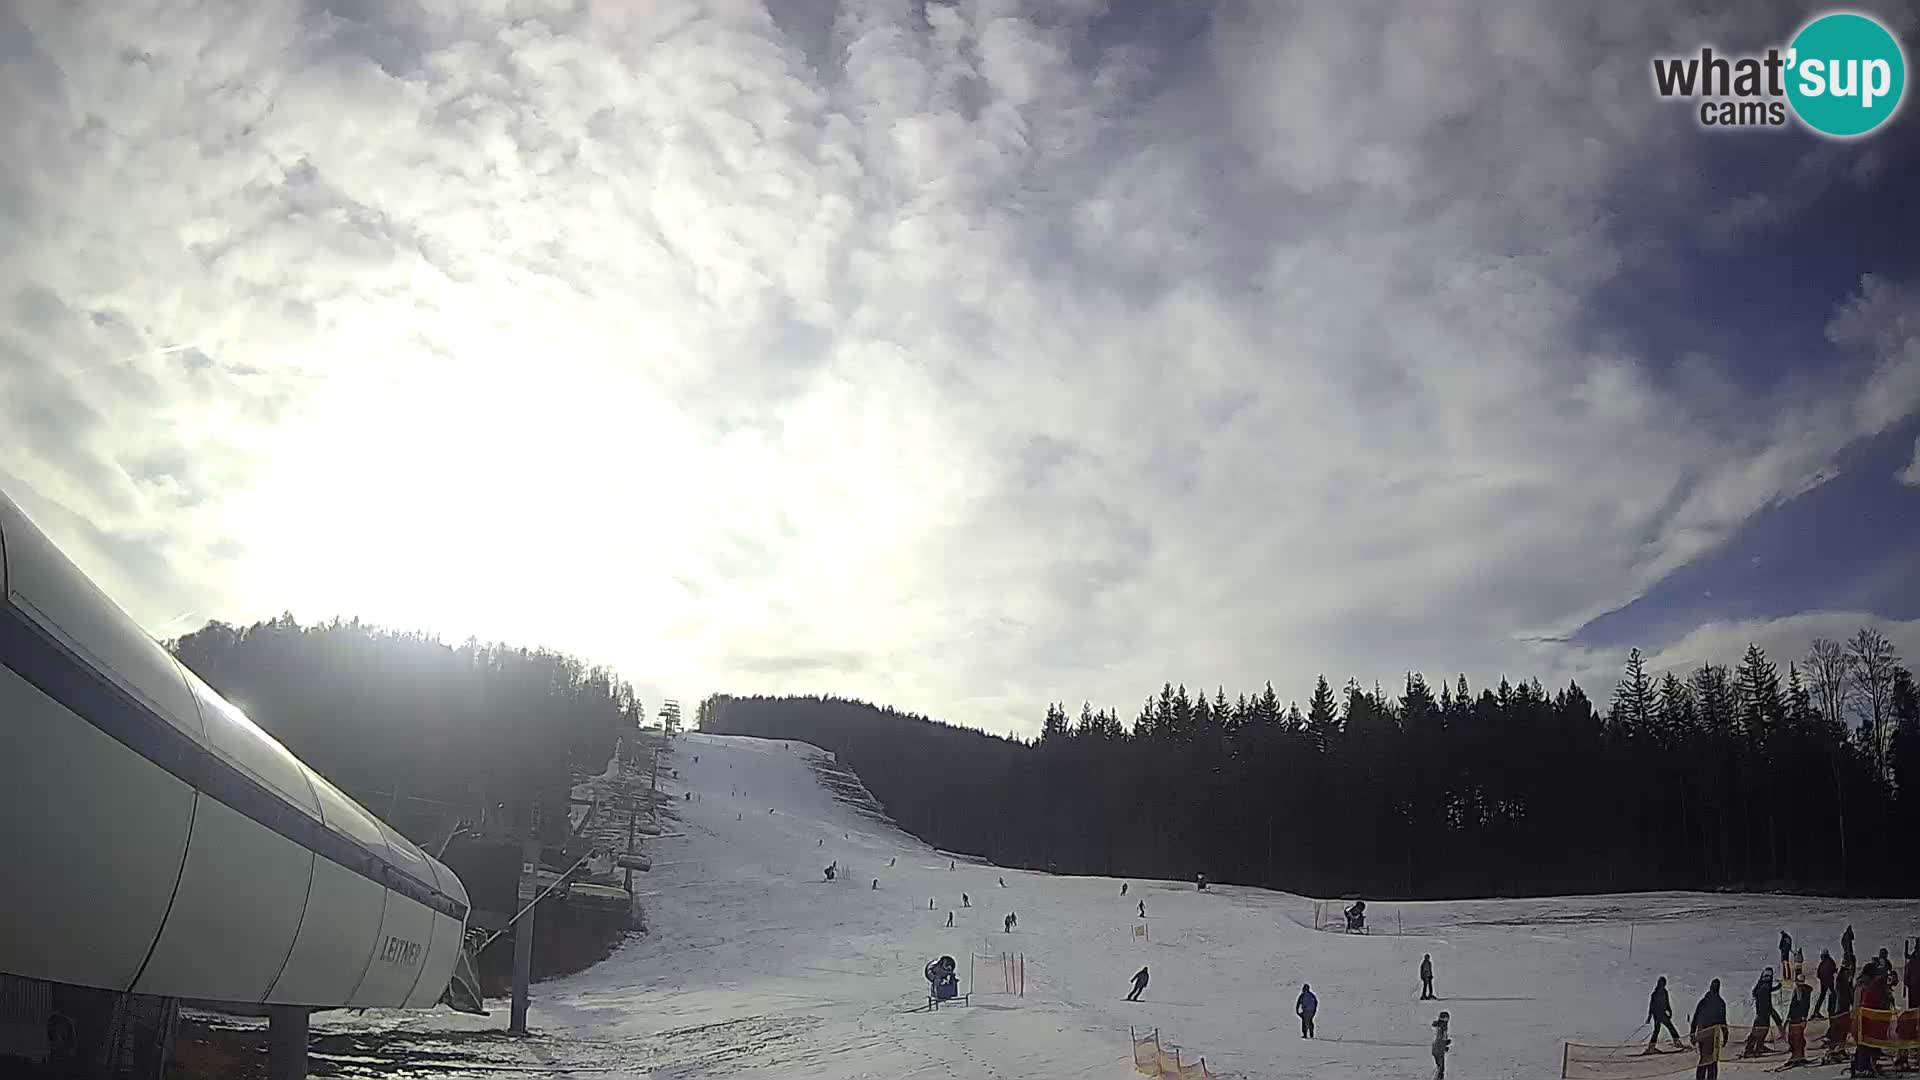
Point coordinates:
pixel 963 356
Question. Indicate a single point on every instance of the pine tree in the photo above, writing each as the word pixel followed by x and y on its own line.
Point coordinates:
pixel 1053 729
pixel 1633 699
pixel 1417 706
pixel 1269 706
pixel 1673 711
pixel 1758 687
pixel 1323 715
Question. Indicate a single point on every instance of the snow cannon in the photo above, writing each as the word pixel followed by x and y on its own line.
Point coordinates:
pixel 944 983
pixel 1357 917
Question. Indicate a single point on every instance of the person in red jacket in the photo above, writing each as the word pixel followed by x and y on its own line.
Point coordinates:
pixel 1877 994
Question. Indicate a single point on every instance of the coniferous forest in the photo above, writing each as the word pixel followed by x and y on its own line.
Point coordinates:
pixel 1745 777
pixel 422 733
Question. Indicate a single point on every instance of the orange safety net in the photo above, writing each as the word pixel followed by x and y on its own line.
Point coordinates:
pixel 1151 1058
pixel 1887 1029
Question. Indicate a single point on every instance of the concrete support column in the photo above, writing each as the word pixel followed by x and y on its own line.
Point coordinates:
pixel 287 1043
pixel 523 940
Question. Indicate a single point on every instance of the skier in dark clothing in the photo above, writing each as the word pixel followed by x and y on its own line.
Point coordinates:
pixel 1426 978
pixel 1139 984
pixel 1304 1007
pixel 1143 909
pixel 1826 970
pixel 1764 1014
pixel 1913 974
pixel 1660 1013
pixel 949 919
pixel 1786 948
pixel 1843 988
pixel 1846 946
pixel 965 900
pixel 1123 888
pixel 832 869
pixel 1708 1030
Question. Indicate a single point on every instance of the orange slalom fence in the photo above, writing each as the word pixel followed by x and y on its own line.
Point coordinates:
pixel 1814 1042
pixel 1153 1058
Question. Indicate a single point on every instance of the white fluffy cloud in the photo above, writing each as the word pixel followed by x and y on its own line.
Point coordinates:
pixel 963 356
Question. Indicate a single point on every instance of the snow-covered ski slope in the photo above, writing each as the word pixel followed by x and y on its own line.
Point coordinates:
pixel 755 965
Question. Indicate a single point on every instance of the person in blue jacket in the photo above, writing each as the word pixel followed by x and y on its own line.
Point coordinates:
pixel 1305 1006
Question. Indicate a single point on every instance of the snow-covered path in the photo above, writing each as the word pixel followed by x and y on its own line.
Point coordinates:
pixel 757 966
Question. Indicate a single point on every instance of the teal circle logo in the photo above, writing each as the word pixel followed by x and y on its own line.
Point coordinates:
pixel 1846 74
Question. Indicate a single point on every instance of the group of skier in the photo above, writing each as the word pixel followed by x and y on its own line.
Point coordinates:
pixel 1841 989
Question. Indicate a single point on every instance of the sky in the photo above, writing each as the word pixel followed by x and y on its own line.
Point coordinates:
pixel 960 356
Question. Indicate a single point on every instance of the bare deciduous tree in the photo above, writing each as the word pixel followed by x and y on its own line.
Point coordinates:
pixel 1827 667
pixel 1873 662
pixel 1827 672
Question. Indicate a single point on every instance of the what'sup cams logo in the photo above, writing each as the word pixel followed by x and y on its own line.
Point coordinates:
pixel 1842 75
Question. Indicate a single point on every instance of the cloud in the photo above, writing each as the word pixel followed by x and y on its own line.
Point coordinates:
pixel 962 355
pixel 1784 641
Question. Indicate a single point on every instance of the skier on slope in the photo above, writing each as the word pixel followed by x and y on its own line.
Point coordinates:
pixel 949 920
pixel 1304 1007
pixel 1139 984
pixel 1660 1014
pixel 1913 974
pixel 1441 1044
pixel 1123 888
pixel 1846 945
pixel 1764 1014
pixel 1825 972
pixel 1143 909
pixel 965 900
pixel 1426 978
pixel 1786 950
pixel 832 869
pixel 1876 994
pixel 1708 1030
pixel 1797 1011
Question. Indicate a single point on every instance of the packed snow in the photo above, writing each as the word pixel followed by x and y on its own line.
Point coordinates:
pixel 755 965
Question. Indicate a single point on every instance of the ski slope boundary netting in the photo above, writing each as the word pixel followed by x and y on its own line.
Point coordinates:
pixel 999 973
pixel 1880 1029
pixel 1151 1057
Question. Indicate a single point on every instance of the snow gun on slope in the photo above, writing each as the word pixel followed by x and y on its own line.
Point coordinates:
pixel 943 982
